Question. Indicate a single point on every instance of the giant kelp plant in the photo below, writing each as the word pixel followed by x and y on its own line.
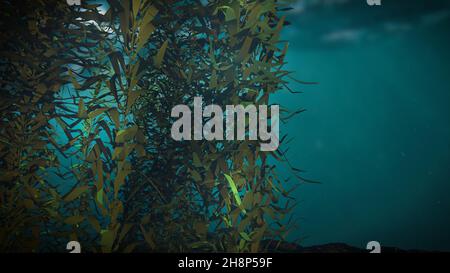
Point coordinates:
pixel 85 147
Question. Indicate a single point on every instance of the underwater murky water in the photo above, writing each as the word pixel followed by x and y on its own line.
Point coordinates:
pixel 376 132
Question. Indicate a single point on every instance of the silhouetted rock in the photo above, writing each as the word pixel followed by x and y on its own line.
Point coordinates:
pixel 287 247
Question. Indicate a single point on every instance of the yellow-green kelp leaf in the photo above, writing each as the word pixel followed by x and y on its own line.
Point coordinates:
pixel 235 192
pixel 245 236
pixel 126 134
pixel 81 109
pixel 160 55
pixel 75 193
pixel 99 196
pixel 227 11
pixel 97 112
pixel 74 220
pixel 107 240
pixel 115 117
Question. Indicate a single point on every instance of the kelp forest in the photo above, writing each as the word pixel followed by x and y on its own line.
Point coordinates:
pixel 85 147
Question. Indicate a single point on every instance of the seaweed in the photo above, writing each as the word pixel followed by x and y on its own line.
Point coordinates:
pixel 86 151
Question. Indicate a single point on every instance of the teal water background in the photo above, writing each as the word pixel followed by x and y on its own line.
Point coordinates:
pixel 376 132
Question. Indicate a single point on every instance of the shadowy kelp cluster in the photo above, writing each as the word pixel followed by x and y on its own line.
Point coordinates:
pixel 85 144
